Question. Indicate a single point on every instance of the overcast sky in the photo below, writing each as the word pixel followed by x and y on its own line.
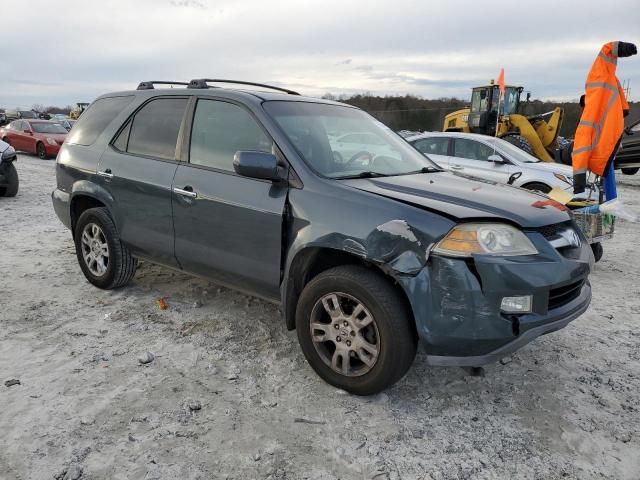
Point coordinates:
pixel 67 51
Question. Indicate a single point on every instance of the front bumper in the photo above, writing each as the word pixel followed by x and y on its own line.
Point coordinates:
pixel 556 320
pixel 456 302
pixel 52 150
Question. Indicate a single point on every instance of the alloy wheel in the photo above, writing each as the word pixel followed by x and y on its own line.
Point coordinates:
pixel 95 249
pixel 345 334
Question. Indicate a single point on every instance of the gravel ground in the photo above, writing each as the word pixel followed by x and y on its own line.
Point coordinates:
pixel 229 394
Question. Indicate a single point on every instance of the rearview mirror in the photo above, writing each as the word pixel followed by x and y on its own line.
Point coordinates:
pixel 496 159
pixel 260 165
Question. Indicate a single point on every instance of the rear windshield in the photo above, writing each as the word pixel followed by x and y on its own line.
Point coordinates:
pixel 96 118
pixel 48 128
pixel 27 114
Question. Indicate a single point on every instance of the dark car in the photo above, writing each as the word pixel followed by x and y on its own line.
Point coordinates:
pixel 628 156
pixel 41 137
pixel 366 254
pixel 8 174
pixel 27 114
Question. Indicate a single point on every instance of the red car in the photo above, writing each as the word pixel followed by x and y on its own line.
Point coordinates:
pixel 41 137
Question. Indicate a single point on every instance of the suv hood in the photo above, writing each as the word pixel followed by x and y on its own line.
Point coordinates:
pixel 464 198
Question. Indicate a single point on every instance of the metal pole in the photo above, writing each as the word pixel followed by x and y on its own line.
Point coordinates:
pixel 498 115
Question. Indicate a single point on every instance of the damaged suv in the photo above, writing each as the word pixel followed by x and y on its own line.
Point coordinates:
pixel 368 252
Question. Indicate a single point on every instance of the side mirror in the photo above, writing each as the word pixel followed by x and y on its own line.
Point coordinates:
pixel 496 159
pixel 259 165
pixel 27 131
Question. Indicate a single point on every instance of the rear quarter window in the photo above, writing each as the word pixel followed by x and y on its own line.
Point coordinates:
pixel 96 118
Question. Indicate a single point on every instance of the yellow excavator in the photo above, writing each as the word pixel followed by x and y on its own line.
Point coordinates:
pixel 535 134
pixel 76 112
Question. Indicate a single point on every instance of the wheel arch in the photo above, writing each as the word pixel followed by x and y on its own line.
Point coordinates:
pixel 87 195
pixel 310 261
pixel 536 182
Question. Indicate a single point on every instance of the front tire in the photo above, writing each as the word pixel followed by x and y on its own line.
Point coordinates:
pixel 11 175
pixel 597 250
pixel 103 258
pixel 355 330
pixel 41 151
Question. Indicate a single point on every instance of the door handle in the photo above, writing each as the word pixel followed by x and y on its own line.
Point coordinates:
pixel 186 191
pixel 457 167
pixel 106 174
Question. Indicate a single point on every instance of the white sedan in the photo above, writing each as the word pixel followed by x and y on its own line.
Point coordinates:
pixel 494 159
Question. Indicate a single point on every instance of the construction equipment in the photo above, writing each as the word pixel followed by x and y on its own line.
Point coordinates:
pixel 536 134
pixel 76 112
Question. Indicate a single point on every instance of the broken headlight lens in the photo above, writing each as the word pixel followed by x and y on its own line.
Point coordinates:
pixel 484 239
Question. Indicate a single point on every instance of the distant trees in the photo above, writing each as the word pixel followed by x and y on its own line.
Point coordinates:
pixel 410 112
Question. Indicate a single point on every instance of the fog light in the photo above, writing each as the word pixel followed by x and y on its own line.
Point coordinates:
pixel 516 304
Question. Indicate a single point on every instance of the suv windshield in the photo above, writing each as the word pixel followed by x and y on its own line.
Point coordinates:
pixel 27 114
pixel 342 142
pixel 48 128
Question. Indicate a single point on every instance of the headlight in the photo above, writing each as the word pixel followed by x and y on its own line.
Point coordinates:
pixel 564 178
pixel 485 239
pixel 51 141
pixel 10 152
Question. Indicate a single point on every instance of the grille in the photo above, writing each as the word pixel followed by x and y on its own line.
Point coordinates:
pixel 551 231
pixel 562 295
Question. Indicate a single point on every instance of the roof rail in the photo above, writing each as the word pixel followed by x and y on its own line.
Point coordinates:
pixel 203 83
pixel 150 84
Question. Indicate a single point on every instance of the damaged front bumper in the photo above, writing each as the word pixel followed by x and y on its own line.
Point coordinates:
pixel 457 302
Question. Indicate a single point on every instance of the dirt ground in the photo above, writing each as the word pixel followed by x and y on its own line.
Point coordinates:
pixel 229 394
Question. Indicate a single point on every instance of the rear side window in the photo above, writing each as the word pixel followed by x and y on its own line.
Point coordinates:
pixel 219 130
pixel 155 128
pixel 96 118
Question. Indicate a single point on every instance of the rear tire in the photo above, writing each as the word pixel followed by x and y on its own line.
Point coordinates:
pixel 630 171
pixel 369 328
pixel 520 142
pixel 537 187
pixel 13 182
pixel 103 258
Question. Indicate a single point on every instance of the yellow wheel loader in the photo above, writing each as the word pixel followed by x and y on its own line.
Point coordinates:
pixel 76 112
pixel 535 134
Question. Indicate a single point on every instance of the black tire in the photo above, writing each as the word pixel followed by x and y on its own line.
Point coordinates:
pixel 121 266
pixel 13 182
pixel 397 340
pixel 537 187
pixel 597 250
pixel 41 151
pixel 520 142
pixel 630 171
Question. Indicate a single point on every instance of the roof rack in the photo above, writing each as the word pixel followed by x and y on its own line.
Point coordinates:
pixel 203 83
pixel 150 84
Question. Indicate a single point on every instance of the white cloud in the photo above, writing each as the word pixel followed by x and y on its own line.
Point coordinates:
pixel 75 50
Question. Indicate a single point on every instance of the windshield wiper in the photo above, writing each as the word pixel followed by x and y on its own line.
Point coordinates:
pixel 423 170
pixel 365 174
